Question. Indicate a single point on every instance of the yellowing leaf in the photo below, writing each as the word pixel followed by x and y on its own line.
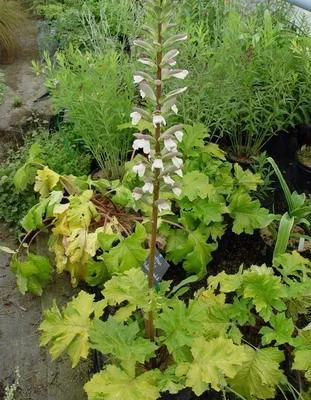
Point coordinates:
pixel 115 384
pixel 228 283
pixel 81 210
pixel 180 324
pixel 265 289
pixel 130 287
pixel 302 353
pixel 46 180
pixel 246 179
pixel 214 361
pixel 73 252
pixel 215 151
pixel 69 330
pixel 303 362
pixel 259 375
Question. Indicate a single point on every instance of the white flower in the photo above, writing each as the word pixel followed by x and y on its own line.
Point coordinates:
pixel 179 135
pixel 158 119
pixel 177 191
pixel 179 173
pixel 170 144
pixel 136 117
pixel 138 78
pixel 148 187
pixel 140 169
pixel 137 194
pixel 157 164
pixel 178 162
pixel 142 93
pixel 163 205
pixel 171 62
pixel 181 74
pixel 174 109
pixel 168 180
pixel 145 61
pixel 142 144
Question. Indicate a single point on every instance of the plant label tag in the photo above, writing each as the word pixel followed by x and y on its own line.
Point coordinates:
pixel 160 267
pixel 301 244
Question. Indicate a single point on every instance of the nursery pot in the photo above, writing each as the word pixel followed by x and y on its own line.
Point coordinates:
pixel 303 174
pixel 185 394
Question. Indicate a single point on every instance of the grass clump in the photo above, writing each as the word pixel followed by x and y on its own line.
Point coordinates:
pixel 97 92
pixel 11 16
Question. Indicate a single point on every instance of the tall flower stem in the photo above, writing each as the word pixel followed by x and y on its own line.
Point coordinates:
pixel 155 212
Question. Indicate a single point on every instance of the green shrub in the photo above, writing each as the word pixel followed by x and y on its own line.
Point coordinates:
pixel 246 88
pixel 57 152
pixel 97 92
pixel 85 24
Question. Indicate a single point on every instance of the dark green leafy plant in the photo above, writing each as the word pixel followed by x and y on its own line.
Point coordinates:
pixel 56 150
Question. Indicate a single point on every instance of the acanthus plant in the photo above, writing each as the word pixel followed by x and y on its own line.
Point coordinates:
pixel 163 162
pixel 156 342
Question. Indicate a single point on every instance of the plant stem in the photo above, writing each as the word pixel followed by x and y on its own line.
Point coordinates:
pixel 156 190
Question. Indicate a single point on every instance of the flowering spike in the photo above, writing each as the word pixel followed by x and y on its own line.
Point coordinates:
pixel 161 143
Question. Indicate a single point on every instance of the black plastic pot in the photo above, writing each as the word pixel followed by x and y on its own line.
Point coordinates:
pixel 185 394
pixel 303 177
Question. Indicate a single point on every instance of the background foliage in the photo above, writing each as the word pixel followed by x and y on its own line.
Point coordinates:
pixel 57 151
pixel 96 91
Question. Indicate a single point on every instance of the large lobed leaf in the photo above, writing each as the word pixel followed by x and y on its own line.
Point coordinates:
pixel 180 324
pixel 130 287
pixel 201 189
pixel 265 289
pixel 247 214
pixel 46 180
pixel 68 330
pixel 123 342
pixel 191 247
pixel 115 384
pixel 259 374
pixel 129 253
pixel 214 362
